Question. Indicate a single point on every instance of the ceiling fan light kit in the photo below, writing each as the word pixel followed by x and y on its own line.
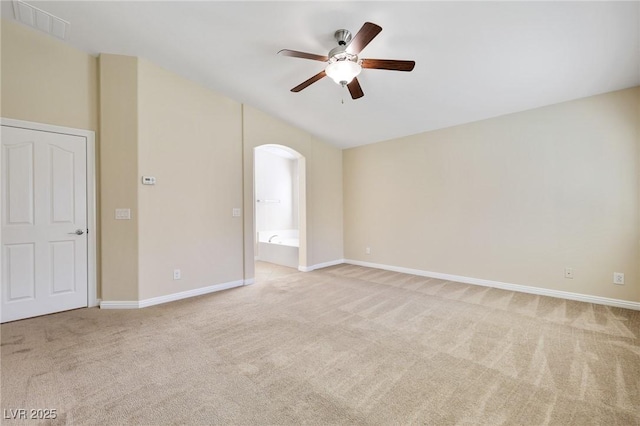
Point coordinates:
pixel 343 63
pixel 342 72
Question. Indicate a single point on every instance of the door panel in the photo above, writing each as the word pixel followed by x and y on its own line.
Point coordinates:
pixel 62 185
pixel 44 203
pixel 19 174
pixel 20 267
pixel 63 267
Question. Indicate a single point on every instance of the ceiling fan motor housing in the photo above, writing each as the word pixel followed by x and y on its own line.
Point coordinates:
pixel 340 54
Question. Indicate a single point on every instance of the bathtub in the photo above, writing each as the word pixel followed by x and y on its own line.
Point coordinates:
pixel 279 247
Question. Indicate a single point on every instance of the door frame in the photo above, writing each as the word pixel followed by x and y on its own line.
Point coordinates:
pixel 89 135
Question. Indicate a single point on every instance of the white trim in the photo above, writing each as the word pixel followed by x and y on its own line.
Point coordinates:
pixel 320 265
pixel 505 286
pixel 249 281
pixel 119 305
pixel 92 224
pixel 169 297
pixel 89 135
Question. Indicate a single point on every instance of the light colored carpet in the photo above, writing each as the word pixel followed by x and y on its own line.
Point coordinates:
pixel 342 345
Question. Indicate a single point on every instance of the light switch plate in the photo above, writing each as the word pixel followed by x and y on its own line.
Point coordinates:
pixel 123 214
pixel 236 212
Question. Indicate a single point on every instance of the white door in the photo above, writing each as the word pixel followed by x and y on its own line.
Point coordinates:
pixel 44 223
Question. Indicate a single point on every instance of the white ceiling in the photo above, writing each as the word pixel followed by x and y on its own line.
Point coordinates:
pixel 474 60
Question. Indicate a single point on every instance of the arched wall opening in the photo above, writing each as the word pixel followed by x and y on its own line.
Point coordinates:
pixel 279 206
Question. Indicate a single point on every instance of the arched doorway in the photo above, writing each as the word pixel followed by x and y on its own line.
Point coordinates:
pixel 279 206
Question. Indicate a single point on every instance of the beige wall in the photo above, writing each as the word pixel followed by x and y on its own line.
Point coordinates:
pixel 119 176
pixel 47 81
pixel 323 202
pixel 190 139
pixel 514 199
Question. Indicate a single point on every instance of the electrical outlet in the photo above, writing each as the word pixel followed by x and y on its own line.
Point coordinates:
pixel 367 250
pixel 618 278
pixel 177 274
pixel 568 273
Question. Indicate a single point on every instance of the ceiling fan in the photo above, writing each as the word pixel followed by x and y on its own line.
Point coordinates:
pixel 343 62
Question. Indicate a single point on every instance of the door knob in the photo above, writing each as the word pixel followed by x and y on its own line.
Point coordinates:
pixel 78 232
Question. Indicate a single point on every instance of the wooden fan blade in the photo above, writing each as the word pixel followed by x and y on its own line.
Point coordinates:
pixel 388 64
pixel 303 55
pixel 367 33
pixel 355 89
pixel 309 82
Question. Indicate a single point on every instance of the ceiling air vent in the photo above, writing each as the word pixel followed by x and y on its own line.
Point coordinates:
pixel 41 20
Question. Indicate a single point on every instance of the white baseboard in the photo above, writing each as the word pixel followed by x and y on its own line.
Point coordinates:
pixel 505 286
pixel 249 281
pixel 120 304
pixel 136 304
pixel 320 265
